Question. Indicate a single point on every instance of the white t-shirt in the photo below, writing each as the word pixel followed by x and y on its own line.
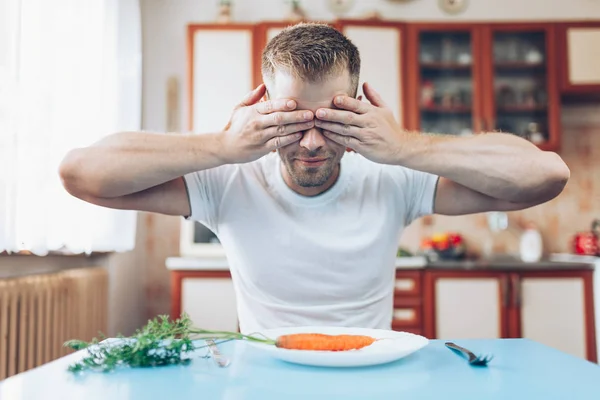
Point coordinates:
pixel 322 260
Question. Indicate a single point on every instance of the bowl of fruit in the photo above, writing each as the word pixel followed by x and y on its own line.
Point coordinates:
pixel 444 246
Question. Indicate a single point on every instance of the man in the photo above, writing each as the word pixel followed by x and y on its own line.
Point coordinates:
pixel 311 231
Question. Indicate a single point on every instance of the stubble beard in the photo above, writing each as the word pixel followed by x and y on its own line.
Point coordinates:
pixel 310 176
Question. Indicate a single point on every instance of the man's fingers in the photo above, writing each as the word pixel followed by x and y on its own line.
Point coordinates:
pixel 284 118
pixel 340 116
pixel 347 141
pixel 373 97
pixel 271 106
pixel 284 130
pixel 340 129
pixel 281 141
pixel 254 96
pixel 350 104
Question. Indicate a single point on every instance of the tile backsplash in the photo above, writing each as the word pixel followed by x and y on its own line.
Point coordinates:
pixel 558 220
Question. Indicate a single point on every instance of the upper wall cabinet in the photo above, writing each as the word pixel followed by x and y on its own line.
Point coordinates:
pixel 471 78
pixel 579 49
pixel 220 73
pixel 520 79
pixel 444 79
pixel 380 45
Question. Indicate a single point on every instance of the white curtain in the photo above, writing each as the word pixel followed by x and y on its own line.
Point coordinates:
pixel 70 73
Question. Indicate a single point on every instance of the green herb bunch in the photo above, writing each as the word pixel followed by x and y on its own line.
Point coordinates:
pixel 160 342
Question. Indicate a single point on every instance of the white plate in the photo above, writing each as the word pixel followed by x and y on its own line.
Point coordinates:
pixel 393 346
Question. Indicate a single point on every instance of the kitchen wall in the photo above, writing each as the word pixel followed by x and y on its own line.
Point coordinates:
pixel 164 60
pixel 559 219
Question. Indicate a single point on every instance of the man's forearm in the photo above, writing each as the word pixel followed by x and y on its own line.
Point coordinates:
pixel 499 165
pixel 128 162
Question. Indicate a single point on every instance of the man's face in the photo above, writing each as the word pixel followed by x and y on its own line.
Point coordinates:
pixel 314 160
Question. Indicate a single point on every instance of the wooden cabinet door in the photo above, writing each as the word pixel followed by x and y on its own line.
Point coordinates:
pixel 466 305
pixel 380 45
pixel 555 310
pixel 444 78
pixel 209 300
pixel 579 50
pixel 520 79
pixel 220 73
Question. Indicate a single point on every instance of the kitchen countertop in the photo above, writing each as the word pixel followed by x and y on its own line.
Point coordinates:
pixel 482 265
pixel 556 262
pixel 521 369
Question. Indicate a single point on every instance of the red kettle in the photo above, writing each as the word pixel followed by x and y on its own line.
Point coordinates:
pixel 588 243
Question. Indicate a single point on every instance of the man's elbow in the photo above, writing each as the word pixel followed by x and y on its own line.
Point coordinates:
pixel 558 174
pixel 71 173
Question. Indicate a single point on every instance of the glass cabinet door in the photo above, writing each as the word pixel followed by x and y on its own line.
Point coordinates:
pixel 446 77
pixel 520 84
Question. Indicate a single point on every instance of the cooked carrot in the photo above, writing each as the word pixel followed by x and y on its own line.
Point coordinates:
pixel 318 341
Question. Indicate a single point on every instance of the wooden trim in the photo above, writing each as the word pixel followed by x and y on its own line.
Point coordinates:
pixel 563 61
pixel 487 76
pixel 429 297
pixel 553 93
pixel 191 30
pixel 514 306
pixel 177 278
pixel 175 294
pixel 413 79
pixel 588 292
pixel 590 320
pixel 477 81
pixel 429 305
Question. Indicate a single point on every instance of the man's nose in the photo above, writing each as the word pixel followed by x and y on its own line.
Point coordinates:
pixel 312 139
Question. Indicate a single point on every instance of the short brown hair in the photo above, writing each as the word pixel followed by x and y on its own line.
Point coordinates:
pixel 311 52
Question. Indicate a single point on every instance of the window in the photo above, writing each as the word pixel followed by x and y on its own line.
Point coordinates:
pixel 70 73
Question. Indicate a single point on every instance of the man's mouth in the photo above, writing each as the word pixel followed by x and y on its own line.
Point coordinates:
pixel 311 162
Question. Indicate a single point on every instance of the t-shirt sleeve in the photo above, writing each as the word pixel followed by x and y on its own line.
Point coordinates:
pixel 205 191
pixel 417 190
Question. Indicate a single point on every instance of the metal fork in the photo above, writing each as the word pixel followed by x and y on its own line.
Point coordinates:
pixel 219 358
pixel 469 355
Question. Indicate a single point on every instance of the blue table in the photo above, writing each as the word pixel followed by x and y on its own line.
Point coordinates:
pixel 521 369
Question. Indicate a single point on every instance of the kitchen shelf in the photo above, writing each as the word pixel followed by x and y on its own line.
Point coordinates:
pixel 520 66
pixel 444 66
pixel 447 110
pixel 522 109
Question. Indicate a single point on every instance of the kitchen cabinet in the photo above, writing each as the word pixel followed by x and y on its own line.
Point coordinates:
pixel 444 78
pixel 208 297
pixel 464 79
pixel 552 310
pixel 407 314
pixel 552 307
pixel 469 306
pixel 215 88
pixel 579 55
pixel 382 66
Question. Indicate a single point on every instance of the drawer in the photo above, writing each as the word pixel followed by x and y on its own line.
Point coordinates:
pixel 408 283
pixel 406 316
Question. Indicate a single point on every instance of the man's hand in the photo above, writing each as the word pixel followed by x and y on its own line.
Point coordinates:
pixel 256 128
pixel 369 129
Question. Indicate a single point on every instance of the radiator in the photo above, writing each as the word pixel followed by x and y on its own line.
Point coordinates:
pixel 39 313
